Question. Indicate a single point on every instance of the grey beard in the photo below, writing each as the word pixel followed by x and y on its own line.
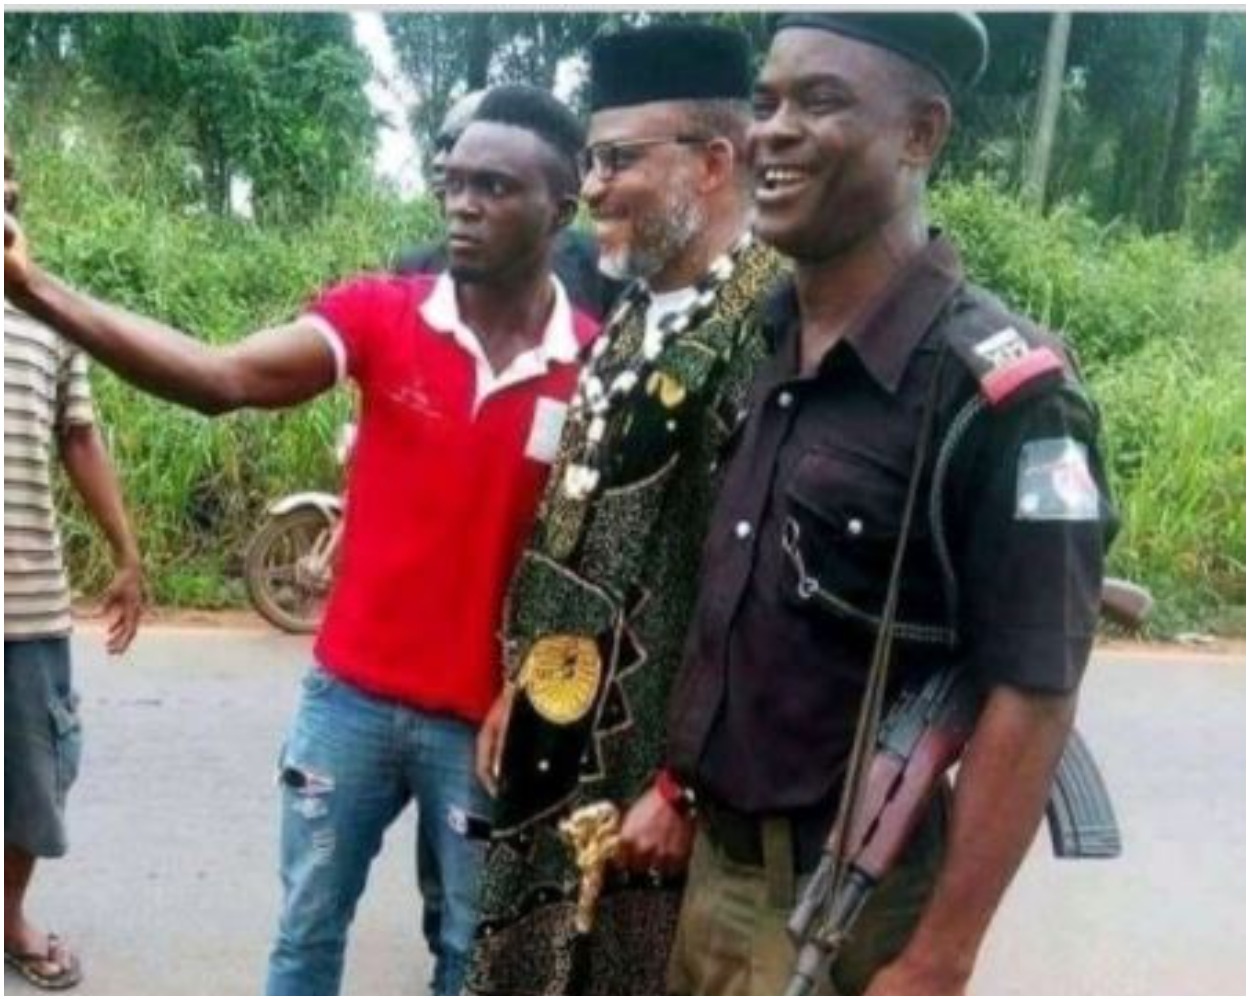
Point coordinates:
pixel 659 240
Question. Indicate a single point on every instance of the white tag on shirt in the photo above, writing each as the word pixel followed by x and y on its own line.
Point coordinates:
pixel 544 441
pixel 1003 348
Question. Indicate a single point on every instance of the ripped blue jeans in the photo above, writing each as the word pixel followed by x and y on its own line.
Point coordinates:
pixel 351 764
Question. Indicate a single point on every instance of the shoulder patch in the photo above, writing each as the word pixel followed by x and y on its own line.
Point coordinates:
pixel 1054 482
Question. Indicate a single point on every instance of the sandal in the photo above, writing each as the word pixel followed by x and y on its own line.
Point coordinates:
pixel 56 968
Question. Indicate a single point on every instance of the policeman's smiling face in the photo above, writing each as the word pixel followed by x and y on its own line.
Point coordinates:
pixel 502 202
pixel 646 211
pixel 831 143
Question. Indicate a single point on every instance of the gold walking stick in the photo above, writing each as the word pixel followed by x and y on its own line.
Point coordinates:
pixel 593 833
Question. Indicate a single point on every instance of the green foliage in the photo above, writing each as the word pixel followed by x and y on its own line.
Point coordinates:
pixel 1118 124
pixel 1218 206
pixel 1151 130
pixel 290 110
pixel 1110 289
pixel 275 100
pixel 1159 328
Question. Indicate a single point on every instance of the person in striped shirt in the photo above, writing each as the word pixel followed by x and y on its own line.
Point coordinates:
pixel 47 408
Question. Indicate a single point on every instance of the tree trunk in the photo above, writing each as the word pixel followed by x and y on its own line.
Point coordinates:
pixel 1136 178
pixel 1050 90
pixel 1171 212
pixel 215 171
pixel 478 50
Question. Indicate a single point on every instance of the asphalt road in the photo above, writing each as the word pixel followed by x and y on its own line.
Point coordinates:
pixel 170 887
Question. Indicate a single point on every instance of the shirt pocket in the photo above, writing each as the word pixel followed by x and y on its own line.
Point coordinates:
pixel 843 513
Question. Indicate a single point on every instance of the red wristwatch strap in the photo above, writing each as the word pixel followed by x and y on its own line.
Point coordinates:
pixel 675 793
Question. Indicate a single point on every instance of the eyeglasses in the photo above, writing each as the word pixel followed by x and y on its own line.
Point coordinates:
pixel 607 159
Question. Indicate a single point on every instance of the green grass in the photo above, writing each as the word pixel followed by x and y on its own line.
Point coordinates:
pixel 1109 289
pixel 1176 440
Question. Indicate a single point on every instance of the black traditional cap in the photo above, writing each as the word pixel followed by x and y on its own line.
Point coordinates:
pixel 677 62
pixel 952 45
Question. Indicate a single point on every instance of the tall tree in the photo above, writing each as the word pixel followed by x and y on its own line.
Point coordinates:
pixel 447 55
pixel 478 52
pixel 997 117
pixel 1184 123
pixel 286 95
pixel 1128 63
pixel 443 57
pixel 1049 93
pixel 1219 189
pixel 277 100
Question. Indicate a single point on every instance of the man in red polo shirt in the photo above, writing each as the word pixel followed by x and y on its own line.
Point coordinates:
pixel 463 381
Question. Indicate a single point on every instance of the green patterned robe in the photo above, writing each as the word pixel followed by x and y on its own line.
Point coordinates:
pixel 621 567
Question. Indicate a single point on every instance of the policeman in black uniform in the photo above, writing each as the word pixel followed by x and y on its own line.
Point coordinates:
pixel 879 336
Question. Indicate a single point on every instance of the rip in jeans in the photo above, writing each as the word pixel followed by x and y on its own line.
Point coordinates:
pixel 310 798
pixel 468 825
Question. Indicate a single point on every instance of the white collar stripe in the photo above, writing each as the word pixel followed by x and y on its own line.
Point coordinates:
pixel 559 345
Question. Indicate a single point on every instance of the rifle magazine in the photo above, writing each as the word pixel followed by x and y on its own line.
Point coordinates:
pixel 1080 814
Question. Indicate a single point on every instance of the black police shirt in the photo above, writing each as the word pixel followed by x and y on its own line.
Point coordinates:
pixel 1003 567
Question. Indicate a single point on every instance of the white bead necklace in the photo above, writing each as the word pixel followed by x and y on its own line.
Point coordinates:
pixel 594 402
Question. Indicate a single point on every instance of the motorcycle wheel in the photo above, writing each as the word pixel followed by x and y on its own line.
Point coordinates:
pixel 278 589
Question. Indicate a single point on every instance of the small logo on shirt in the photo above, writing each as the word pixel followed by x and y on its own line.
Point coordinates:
pixel 414 398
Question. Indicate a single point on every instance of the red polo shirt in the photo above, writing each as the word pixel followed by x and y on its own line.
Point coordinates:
pixel 445 478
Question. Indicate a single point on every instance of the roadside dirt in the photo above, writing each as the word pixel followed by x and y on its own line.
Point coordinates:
pixel 182 618
pixel 1212 645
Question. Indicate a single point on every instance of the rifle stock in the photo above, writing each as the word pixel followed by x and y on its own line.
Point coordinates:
pixel 1125 604
pixel 921 738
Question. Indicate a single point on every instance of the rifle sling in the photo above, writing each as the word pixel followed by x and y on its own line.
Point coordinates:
pixel 873 703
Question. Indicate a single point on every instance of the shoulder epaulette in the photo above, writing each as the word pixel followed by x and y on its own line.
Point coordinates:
pixel 1009 358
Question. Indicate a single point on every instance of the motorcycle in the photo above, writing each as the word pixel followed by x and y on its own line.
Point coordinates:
pixel 288 566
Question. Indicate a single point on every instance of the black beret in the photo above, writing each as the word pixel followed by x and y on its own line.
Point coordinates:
pixel 952 45
pixel 678 62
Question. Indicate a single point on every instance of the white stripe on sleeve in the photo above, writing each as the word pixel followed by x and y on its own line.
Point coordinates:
pixel 335 342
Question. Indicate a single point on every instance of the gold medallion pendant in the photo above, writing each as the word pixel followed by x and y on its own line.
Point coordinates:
pixel 667 389
pixel 561 677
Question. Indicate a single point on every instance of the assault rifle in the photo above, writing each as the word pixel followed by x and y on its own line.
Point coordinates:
pixel 921 738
